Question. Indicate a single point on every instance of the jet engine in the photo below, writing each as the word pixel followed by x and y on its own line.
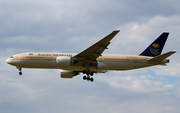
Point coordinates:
pixel 102 66
pixel 68 74
pixel 64 61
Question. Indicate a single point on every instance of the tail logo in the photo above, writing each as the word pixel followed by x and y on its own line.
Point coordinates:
pixel 154 49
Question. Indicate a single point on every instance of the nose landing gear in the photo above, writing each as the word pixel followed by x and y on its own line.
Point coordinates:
pixel 20 73
pixel 19 68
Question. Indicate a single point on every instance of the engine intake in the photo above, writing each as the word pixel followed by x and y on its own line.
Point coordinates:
pixel 64 61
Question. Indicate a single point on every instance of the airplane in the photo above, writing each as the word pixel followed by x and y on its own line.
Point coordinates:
pixel 91 60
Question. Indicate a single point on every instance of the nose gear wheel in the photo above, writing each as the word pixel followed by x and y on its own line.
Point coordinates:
pixel 19 68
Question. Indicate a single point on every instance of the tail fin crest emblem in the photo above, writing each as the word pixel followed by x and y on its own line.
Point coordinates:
pixel 154 49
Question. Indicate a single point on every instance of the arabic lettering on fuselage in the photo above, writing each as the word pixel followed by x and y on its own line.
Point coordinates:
pixel 39 54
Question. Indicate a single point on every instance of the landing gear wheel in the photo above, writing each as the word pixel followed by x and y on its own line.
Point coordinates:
pixel 20 73
pixel 84 71
pixel 88 73
pixel 19 68
pixel 91 73
pixel 92 79
pixel 84 77
pixel 88 78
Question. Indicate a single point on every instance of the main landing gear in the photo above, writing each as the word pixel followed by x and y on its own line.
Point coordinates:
pixel 88 73
pixel 19 68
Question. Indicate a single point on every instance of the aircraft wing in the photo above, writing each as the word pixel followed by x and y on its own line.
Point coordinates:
pixel 94 51
pixel 87 58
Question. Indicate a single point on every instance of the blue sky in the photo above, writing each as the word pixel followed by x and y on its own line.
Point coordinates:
pixel 72 26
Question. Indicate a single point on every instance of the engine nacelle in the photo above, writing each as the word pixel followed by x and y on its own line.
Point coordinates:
pixel 68 74
pixel 64 61
pixel 102 66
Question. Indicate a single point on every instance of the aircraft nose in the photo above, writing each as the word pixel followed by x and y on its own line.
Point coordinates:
pixel 9 61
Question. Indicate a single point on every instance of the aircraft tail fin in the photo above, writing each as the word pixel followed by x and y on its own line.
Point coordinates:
pixel 155 48
pixel 161 57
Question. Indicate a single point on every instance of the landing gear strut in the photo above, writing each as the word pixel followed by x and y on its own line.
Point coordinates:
pixel 88 78
pixel 19 68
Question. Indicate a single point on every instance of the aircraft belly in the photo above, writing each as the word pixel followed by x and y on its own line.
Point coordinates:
pixel 74 68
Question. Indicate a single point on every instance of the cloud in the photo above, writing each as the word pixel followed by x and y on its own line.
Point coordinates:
pixel 39 93
pixel 138 83
pixel 141 34
pixel 72 26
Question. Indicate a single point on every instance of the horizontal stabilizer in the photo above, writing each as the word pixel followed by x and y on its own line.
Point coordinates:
pixel 161 57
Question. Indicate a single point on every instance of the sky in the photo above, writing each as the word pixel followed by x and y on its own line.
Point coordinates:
pixel 73 25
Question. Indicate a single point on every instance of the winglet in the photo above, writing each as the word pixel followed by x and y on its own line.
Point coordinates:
pixel 155 48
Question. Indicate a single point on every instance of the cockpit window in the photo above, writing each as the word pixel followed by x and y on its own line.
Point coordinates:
pixel 11 56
